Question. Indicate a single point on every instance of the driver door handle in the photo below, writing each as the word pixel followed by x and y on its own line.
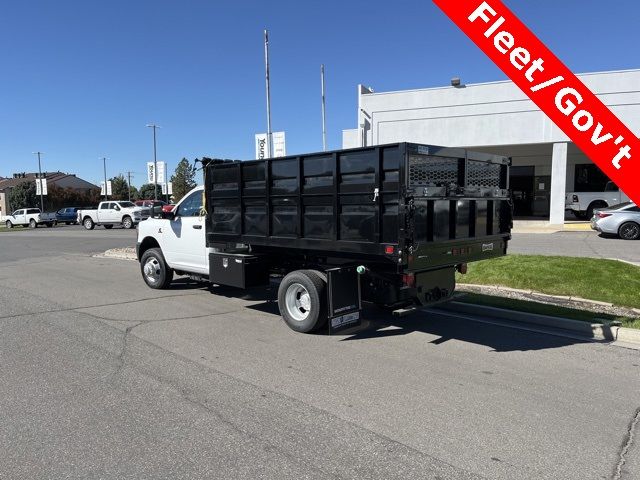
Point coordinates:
pixel 197 227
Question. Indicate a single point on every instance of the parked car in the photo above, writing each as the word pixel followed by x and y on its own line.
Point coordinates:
pixel 622 220
pixel 168 208
pixel 31 217
pixel 68 215
pixel 150 203
pixel 112 213
pixel 583 204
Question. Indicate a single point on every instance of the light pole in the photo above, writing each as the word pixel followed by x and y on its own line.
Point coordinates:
pixel 104 167
pixel 40 181
pixel 155 162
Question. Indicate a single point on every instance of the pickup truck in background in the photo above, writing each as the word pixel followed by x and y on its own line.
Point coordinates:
pixel 582 204
pixel 112 213
pixel 31 217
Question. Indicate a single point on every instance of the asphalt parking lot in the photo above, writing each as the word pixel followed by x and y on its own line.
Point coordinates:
pixel 104 378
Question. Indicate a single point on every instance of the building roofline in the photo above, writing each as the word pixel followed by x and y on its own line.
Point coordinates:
pixel 495 82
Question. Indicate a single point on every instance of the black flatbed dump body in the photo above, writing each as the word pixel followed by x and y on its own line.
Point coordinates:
pixel 402 207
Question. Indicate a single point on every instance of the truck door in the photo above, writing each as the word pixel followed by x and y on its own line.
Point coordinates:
pixel 184 237
pixel 21 217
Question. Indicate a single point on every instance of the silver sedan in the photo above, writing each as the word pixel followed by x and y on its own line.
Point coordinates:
pixel 622 220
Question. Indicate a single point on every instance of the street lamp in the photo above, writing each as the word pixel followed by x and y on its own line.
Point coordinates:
pixel 40 180
pixel 155 162
pixel 104 167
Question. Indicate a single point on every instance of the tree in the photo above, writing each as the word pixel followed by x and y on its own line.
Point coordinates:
pixel 23 195
pixel 135 195
pixel 146 191
pixel 119 188
pixel 183 180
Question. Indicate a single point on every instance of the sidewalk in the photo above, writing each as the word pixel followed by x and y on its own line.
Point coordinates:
pixel 543 226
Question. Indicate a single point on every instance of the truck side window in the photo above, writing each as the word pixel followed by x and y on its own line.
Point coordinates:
pixel 191 206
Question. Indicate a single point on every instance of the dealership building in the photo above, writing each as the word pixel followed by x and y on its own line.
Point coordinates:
pixel 499 118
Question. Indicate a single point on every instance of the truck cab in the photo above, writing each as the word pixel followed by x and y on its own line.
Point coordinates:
pixel 180 235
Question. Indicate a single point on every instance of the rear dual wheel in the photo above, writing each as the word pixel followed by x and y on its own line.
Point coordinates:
pixel 302 300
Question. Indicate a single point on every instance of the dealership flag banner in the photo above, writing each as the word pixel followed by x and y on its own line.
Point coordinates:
pixel 41 186
pixel 552 87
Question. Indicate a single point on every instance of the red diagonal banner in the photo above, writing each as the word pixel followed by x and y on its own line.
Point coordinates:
pixel 552 87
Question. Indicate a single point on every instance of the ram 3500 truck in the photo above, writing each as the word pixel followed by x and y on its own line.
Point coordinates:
pixel 112 213
pixel 31 217
pixel 582 204
pixel 388 224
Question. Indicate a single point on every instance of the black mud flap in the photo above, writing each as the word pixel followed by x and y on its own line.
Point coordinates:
pixel 343 291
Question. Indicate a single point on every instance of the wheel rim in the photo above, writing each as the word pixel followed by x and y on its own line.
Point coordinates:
pixel 298 302
pixel 152 270
pixel 127 223
pixel 87 223
pixel 629 231
pixel 32 223
pixel 9 225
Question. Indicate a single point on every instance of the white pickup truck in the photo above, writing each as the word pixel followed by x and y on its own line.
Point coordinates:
pixel 31 217
pixel 112 213
pixel 582 204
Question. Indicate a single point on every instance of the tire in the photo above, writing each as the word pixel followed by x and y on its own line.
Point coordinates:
pixel 629 231
pixel 155 271
pixel 108 226
pixel 592 207
pixel 88 223
pixel 33 223
pixel 9 224
pixel 302 300
pixel 127 222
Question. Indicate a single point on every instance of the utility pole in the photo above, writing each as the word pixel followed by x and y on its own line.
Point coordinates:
pixel 104 166
pixel 40 180
pixel 129 183
pixel 155 162
pixel 324 128
pixel 268 83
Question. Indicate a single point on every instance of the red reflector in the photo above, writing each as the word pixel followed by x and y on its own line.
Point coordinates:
pixel 388 249
pixel 603 215
pixel 409 279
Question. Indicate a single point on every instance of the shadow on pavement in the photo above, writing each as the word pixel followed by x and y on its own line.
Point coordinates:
pixel 381 324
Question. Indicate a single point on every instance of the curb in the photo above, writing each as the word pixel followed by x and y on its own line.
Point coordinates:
pixel 601 332
pixel 559 300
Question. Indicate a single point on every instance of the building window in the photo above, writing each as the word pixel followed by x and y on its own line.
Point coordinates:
pixel 589 178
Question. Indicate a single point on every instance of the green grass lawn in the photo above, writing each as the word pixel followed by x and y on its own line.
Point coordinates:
pixel 544 309
pixel 594 279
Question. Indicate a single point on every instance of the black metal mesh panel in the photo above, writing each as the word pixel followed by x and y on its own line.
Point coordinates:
pixel 425 171
pixel 482 174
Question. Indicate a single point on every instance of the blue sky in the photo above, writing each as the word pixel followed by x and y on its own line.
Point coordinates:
pixel 80 79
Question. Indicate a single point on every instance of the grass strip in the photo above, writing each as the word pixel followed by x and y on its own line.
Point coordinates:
pixel 591 278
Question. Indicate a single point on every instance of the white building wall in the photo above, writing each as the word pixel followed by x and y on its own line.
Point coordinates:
pixel 482 114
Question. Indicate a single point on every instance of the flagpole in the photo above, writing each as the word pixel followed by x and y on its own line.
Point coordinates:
pixel 324 129
pixel 268 85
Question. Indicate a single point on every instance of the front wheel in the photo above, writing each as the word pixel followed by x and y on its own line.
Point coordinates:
pixel 127 222
pixel 88 223
pixel 33 223
pixel 155 271
pixel 629 231
pixel 9 224
pixel 302 300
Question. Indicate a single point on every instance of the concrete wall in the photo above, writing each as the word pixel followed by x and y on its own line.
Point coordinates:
pixel 480 115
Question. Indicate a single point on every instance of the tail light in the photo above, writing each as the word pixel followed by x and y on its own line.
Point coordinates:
pixel 603 215
pixel 462 268
pixel 409 279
